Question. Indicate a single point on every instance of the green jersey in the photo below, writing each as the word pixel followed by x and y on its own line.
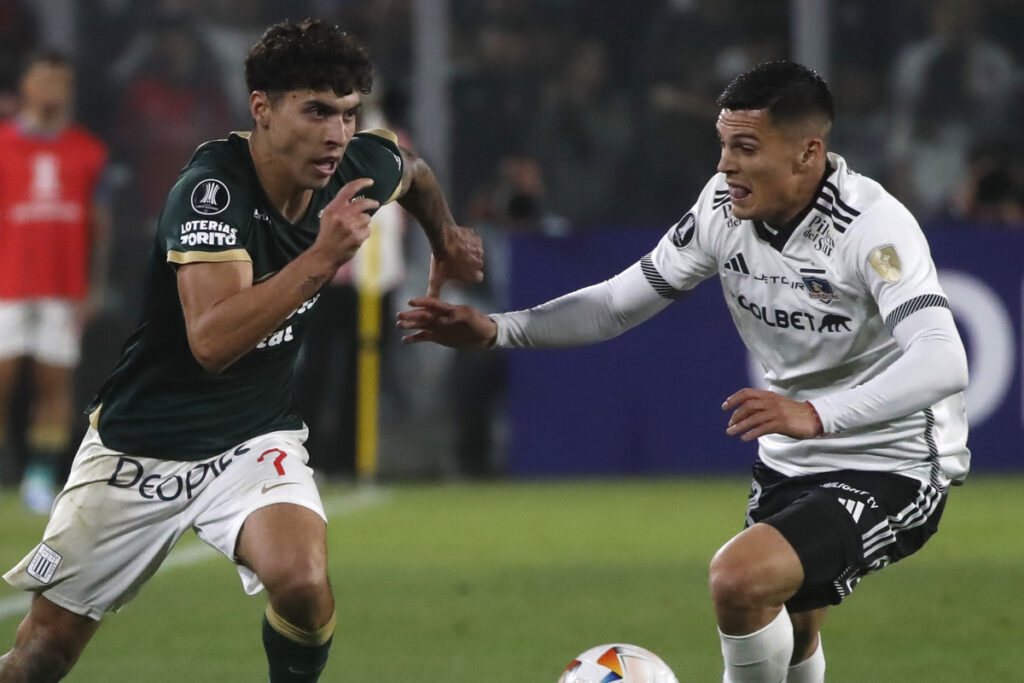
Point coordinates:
pixel 159 402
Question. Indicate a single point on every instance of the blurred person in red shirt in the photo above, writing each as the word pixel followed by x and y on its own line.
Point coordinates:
pixel 54 230
pixel 171 99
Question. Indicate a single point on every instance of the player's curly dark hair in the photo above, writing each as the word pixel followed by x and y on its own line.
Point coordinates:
pixel 309 55
pixel 789 91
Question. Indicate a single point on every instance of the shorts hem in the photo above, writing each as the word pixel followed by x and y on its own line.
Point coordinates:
pixel 70 605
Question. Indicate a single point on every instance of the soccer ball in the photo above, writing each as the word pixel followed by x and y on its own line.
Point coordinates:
pixel 617 663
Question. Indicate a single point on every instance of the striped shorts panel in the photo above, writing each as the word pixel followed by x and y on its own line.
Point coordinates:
pixel 844 525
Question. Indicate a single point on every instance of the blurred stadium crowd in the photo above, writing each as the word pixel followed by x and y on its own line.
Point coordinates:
pixel 565 115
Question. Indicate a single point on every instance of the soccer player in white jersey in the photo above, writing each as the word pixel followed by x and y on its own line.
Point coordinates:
pixel 831 286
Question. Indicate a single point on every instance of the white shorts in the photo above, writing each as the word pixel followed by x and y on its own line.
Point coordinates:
pixel 119 516
pixel 49 330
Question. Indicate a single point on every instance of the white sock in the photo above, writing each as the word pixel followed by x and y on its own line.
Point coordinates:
pixel 759 657
pixel 811 670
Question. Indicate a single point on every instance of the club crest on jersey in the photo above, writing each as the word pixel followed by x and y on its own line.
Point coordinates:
pixel 820 289
pixel 210 197
pixel 886 263
pixel 682 232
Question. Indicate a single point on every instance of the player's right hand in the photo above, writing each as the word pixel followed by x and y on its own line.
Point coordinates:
pixel 461 327
pixel 345 221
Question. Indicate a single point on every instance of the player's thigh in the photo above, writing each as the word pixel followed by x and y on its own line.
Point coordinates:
pixel 264 511
pixel 50 626
pixel 284 542
pixel 755 569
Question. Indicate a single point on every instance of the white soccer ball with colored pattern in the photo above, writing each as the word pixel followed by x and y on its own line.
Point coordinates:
pixel 617 663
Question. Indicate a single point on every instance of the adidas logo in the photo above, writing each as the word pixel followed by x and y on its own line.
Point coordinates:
pixel 854 507
pixel 737 264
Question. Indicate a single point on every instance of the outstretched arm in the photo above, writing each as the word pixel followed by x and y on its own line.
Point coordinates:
pixel 457 252
pixel 586 316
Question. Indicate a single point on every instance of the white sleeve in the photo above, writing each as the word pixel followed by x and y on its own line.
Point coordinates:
pixel 932 367
pixel 586 316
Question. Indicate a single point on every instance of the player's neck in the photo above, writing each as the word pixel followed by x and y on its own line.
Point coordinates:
pixel 810 185
pixel 290 200
pixel 39 124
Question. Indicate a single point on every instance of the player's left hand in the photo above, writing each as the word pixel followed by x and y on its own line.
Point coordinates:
pixel 462 260
pixel 757 412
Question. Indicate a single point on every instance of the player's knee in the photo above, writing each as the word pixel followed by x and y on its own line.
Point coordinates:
pixel 299 581
pixel 735 582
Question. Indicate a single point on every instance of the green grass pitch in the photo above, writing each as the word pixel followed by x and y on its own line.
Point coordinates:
pixel 506 582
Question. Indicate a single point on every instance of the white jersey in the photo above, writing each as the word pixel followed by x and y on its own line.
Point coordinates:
pixel 816 302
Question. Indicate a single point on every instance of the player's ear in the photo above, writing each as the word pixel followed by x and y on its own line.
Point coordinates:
pixel 813 150
pixel 259 107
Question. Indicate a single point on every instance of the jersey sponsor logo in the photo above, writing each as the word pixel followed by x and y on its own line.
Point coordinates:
pixel 886 263
pixel 819 289
pixel 130 473
pixel 211 233
pixel 287 332
pixel 777 317
pixel 818 233
pixel 261 216
pixel 44 563
pixel 797 320
pixel 738 264
pixel 210 197
pixel 869 499
pixel 683 231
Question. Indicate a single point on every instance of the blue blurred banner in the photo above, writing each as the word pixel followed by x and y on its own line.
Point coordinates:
pixel 649 401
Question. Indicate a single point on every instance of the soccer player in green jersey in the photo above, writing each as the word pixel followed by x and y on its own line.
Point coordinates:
pixel 197 426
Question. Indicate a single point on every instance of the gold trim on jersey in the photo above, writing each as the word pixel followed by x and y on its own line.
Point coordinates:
pixel 383 133
pixel 388 135
pixel 183 257
pixel 94 417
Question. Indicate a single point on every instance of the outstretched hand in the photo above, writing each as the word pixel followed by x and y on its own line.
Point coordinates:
pixel 461 327
pixel 757 412
pixel 463 260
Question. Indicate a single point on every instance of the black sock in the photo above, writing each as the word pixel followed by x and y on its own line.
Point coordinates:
pixel 291 661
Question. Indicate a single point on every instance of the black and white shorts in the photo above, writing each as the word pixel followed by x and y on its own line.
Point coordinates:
pixel 844 524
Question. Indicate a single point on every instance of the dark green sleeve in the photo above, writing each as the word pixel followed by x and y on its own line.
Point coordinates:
pixel 374 154
pixel 207 212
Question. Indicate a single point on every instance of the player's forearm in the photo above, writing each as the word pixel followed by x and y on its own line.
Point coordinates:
pixel 234 326
pixel 586 316
pixel 426 202
pixel 933 366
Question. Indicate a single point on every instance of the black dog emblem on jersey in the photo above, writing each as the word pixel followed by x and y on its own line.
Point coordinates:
pixel 682 232
pixel 833 323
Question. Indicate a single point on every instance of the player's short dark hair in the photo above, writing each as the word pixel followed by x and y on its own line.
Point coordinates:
pixel 789 91
pixel 309 55
pixel 48 56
